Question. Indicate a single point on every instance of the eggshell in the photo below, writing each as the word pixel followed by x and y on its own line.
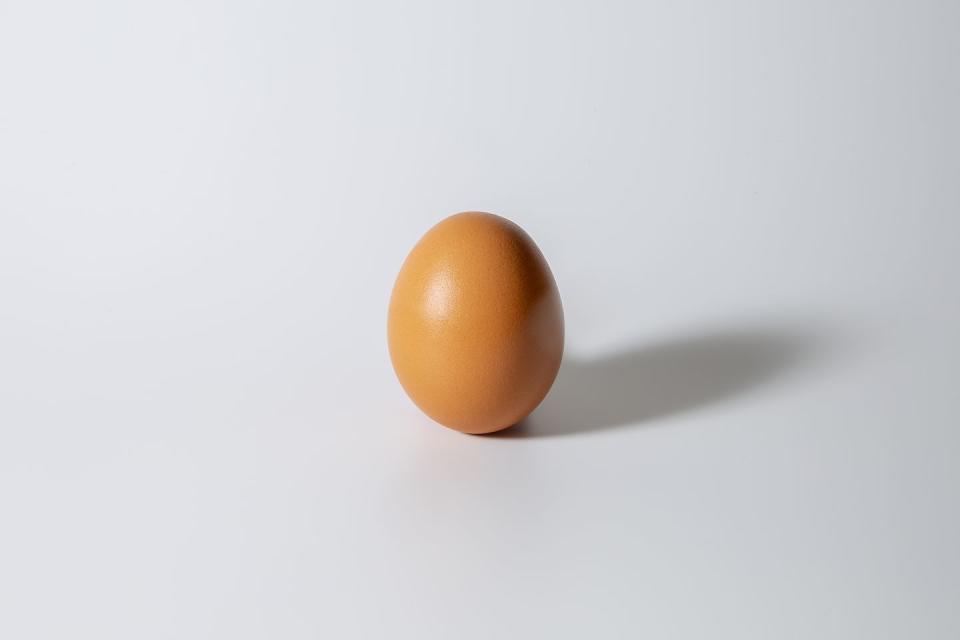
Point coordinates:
pixel 475 326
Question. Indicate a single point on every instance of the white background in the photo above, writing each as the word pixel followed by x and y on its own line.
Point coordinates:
pixel 751 210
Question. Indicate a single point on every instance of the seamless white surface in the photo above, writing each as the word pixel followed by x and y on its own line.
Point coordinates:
pixel 751 210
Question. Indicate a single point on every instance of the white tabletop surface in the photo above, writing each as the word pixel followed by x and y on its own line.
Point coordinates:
pixel 752 211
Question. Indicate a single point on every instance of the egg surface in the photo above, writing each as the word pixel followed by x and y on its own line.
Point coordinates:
pixel 475 325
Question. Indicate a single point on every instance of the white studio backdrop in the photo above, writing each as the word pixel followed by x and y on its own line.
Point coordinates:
pixel 751 210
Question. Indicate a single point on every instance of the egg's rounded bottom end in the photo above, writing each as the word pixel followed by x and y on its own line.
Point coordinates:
pixel 480 430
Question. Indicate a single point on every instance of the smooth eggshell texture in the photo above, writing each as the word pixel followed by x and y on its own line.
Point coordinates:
pixel 475 325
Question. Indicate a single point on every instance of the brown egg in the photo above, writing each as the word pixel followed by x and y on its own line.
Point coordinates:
pixel 475 325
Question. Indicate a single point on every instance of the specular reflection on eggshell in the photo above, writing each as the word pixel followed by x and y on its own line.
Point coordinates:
pixel 475 325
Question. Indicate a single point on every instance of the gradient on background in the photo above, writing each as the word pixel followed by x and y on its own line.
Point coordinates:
pixel 752 211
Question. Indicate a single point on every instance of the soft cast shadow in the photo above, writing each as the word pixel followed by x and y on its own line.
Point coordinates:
pixel 640 385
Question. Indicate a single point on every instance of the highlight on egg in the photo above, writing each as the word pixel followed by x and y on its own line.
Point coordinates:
pixel 475 324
